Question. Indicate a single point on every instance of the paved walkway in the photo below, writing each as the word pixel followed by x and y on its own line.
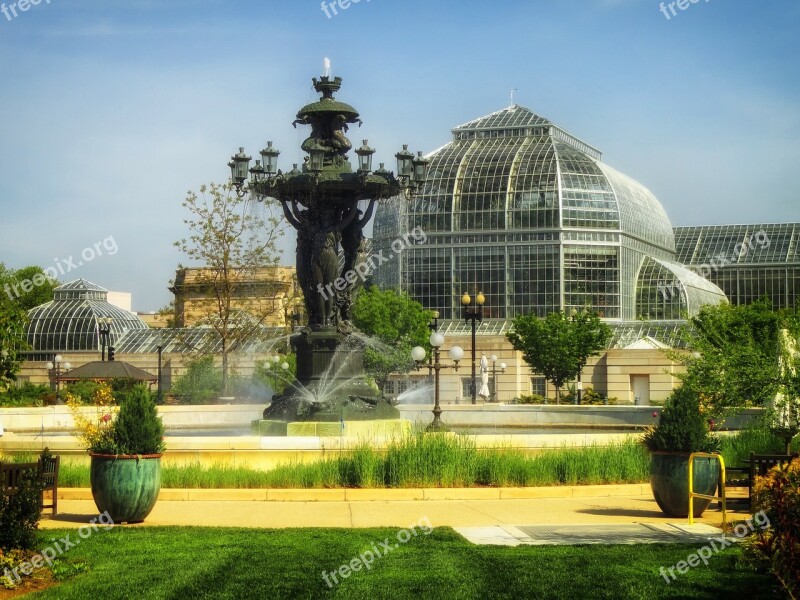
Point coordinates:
pixel 615 519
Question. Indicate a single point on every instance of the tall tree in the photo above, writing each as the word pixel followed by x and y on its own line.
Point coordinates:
pixel 12 331
pixel 229 244
pixel 734 359
pixel 398 323
pixel 559 345
pixel 28 287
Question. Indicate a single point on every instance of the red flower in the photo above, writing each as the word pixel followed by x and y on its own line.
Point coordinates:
pixel 106 418
pixel 655 414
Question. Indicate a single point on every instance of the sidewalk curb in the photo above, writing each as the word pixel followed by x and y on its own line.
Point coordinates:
pixel 381 495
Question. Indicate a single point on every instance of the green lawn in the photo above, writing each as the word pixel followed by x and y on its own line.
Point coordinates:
pixel 172 562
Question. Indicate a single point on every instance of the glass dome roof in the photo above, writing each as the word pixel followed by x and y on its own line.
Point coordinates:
pixel 70 322
pixel 519 208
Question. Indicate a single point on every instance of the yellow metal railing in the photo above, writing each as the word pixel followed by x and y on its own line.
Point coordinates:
pixel 693 495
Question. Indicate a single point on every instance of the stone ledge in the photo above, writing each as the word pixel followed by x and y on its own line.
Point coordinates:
pixel 382 495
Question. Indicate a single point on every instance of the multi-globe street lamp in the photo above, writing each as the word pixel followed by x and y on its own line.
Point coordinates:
pixel 418 354
pixel 58 367
pixel 493 359
pixel 473 315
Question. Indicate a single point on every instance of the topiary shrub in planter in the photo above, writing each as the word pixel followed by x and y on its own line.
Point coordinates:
pixel 126 452
pixel 682 429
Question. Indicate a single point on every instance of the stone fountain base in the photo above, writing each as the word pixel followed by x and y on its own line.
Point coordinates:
pixel 330 385
pixel 358 429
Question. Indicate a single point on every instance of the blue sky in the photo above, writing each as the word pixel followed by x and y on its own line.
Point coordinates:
pixel 111 110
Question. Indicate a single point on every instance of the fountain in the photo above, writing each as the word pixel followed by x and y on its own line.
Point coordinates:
pixel 321 201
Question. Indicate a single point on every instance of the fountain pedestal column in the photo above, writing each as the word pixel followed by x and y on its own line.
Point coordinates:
pixel 330 384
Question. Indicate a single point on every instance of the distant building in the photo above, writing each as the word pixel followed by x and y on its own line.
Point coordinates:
pixel 270 292
pixel 519 209
pixel 747 261
pixel 69 323
pixel 69 326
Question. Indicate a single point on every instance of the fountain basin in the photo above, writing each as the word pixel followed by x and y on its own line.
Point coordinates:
pixel 361 429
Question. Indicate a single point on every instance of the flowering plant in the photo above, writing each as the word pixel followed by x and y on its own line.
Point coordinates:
pixel 96 430
pixel 135 428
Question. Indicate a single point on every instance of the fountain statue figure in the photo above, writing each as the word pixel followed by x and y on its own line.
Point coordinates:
pixel 321 202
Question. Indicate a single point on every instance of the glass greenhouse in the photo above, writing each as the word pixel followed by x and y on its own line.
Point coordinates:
pixel 70 322
pixel 747 261
pixel 521 210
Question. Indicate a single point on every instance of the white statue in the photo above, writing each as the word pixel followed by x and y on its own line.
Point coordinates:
pixel 484 391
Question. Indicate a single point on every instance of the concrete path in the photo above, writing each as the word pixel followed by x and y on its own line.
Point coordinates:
pixel 508 520
pixel 567 535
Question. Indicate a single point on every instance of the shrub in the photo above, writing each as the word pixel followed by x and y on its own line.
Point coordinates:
pixel 531 399
pixel 138 428
pixel 589 396
pixel 777 548
pixel 682 426
pixel 27 394
pixel 83 390
pixel 121 387
pixel 201 383
pixel 20 513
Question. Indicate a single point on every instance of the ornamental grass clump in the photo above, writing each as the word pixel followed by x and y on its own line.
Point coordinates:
pixel 133 428
pixel 682 427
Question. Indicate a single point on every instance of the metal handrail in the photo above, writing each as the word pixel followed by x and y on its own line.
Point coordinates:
pixel 693 495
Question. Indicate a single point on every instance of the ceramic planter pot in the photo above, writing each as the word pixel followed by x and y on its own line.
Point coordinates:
pixel 669 480
pixel 126 486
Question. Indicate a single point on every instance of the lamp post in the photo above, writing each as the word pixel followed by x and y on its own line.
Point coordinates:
pixel 104 333
pixel 418 354
pixel 473 315
pixel 57 367
pixel 494 375
pixel 160 348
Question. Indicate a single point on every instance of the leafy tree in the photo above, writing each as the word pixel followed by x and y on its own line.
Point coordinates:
pixel 398 323
pixel 12 333
pixel 33 286
pixel 272 373
pixel 28 287
pixel 734 360
pixel 559 345
pixel 229 244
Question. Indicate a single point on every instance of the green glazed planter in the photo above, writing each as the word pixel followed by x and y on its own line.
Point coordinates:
pixel 126 486
pixel 669 480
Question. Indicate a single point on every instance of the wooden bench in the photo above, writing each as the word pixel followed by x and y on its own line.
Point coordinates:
pixel 46 469
pixel 758 465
